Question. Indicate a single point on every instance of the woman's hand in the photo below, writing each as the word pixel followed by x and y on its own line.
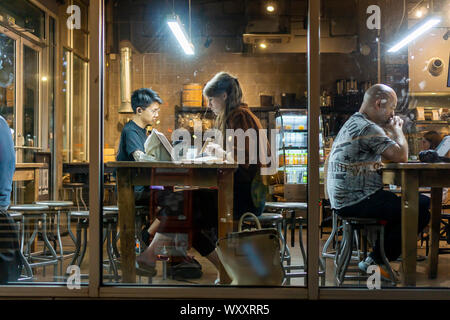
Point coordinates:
pixel 215 150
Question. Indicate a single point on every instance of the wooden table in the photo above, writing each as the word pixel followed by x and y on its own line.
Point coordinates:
pixel 411 176
pixel 131 173
pixel 29 172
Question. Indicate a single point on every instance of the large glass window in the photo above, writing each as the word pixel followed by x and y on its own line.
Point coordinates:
pixel 264 48
pixel 384 84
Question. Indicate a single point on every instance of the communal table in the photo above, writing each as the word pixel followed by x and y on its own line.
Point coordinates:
pixel 166 173
pixel 412 176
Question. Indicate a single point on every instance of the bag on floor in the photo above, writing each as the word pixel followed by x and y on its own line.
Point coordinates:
pixel 252 257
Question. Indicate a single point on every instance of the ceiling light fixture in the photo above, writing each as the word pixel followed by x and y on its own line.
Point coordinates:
pixel 270 8
pixel 416 33
pixel 419 13
pixel 177 29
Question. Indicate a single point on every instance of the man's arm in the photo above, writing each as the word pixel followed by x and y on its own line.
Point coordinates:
pixel 397 152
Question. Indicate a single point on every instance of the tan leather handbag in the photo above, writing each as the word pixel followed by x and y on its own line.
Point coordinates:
pixel 252 257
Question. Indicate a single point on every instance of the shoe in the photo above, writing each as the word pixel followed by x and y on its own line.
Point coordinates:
pixel 188 268
pixel 384 274
pixel 144 269
pixel 364 265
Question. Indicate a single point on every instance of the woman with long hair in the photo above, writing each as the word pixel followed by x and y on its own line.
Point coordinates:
pixel 224 96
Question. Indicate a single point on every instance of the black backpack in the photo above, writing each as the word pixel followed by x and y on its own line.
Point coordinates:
pixel 10 262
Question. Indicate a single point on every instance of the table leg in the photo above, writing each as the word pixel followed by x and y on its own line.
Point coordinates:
pixel 225 212
pixel 225 198
pixel 435 225
pixel 125 202
pixel 410 216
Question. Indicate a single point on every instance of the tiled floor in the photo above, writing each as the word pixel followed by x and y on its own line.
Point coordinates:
pixel 210 273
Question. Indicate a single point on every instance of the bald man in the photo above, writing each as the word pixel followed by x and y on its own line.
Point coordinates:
pixel 354 183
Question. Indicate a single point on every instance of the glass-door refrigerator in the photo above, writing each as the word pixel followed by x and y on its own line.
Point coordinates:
pixel 293 152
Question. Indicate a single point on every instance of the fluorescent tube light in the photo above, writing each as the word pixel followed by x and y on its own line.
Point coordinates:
pixel 415 34
pixel 179 33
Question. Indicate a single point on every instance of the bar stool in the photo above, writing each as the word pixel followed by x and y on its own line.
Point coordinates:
pixel 287 210
pixel 56 207
pixel 20 221
pixel 109 227
pixel 35 213
pixel 336 231
pixel 370 230
pixel 77 193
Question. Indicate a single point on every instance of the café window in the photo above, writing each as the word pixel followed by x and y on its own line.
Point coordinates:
pixel 264 51
pixel 404 46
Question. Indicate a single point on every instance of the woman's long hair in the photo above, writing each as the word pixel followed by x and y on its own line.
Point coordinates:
pixel 433 138
pixel 221 83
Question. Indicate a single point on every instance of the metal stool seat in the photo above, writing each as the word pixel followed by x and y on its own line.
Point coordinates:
pixel 35 213
pixel 28 208
pixel 287 205
pixel 266 218
pixel 55 203
pixel 111 208
pixel 370 229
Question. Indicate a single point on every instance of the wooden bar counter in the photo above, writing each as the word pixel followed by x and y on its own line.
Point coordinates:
pixel 131 173
pixel 29 172
pixel 411 176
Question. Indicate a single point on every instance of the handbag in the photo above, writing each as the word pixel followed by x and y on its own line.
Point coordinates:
pixel 252 257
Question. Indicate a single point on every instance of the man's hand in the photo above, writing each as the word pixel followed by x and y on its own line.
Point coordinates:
pixel 399 151
pixel 394 125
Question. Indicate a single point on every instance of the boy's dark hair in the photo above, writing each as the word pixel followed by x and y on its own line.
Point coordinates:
pixel 143 98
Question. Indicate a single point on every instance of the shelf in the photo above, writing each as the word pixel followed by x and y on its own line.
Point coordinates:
pixel 292 165
pixel 293 109
pixel 432 122
pixel 293 148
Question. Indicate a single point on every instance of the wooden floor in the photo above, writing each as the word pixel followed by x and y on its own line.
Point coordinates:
pixel 210 273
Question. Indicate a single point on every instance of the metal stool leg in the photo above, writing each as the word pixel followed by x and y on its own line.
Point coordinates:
pixel 58 235
pixel 302 248
pixel 49 246
pixel 81 198
pixel 83 251
pixel 77 244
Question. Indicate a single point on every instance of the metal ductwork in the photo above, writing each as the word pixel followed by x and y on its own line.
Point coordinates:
pixel 125 81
